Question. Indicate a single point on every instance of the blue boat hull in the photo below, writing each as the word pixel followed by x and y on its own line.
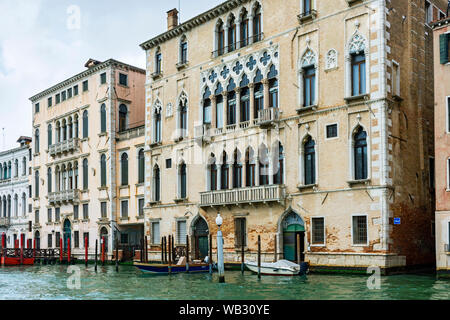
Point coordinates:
pixel 173 269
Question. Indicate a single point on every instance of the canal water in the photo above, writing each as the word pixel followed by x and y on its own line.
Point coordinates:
pixel 51 282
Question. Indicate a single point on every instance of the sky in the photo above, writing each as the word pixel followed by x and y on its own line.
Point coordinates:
pixel 43 42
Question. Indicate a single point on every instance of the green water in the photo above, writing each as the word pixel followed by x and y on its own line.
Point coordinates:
pixel 50 282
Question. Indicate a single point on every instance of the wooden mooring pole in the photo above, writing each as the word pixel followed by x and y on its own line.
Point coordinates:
pixel 103 251
pixel 68 251
pixel 275 258
pixel 60 250
pixel 165 249
pixel 142 253
pixel 187 253
pixel 117 255
pixel 259 256
pixel 96 248
pixel 170 255
pixel 86 251
pixel 162 249
pixel 210 254
pixel 298 249
pixel 146 250
pixel 174 253
pixel 242 252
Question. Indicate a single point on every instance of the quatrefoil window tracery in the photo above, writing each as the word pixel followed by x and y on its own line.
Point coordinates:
pixel 357 44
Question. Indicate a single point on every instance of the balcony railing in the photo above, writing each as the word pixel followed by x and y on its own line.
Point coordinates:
pixel 64 146
pixel 261 194
pixel 134 132
pixel 5 221
pixel 238 45
pixel 268 116
pixel 64 196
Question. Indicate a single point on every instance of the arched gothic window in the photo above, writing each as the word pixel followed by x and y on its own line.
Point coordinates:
pixel 141 170
pixel 124 169
pixel 123 117
pixel 103 118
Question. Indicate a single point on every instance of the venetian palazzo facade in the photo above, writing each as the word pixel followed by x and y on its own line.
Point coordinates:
pixel 84 141
pixel 442 143
pixel 294 118
pixel 15 191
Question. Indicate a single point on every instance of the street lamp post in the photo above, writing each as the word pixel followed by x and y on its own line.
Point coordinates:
pixel 220 265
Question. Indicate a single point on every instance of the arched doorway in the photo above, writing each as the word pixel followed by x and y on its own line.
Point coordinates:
pixel 292 226
pixel 200 233
pixel 104 235
pixel 37 238
pixel 67 231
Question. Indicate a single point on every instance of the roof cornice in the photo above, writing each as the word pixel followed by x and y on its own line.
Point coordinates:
pixel 78 77
pixel 192 23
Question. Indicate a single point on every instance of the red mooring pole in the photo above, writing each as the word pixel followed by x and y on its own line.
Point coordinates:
pixel 22 245
pixel 103 250
pixel 34 248
pixel 86 251
pixel 3 247
pixel 60 250
pixel 68 250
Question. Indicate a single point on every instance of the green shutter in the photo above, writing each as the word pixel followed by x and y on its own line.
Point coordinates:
pixel 443 47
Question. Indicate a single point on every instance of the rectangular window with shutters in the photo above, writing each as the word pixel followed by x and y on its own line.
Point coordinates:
pixel 76 213
pixel 85 86
pixel 103 78
pixel 69 93
pixel 156 239
pixel 57 214
pixel 181 232
pixel 448 114
pixel 36 217
pixel 141 207
pixel 57 98
pixel 123 79
pixel 332 131
pixel 103 209
pixel 58 239
pixel 444 48
pixel 49 102
pixel 49 214
pixel 76 239
pixel 50 241
pixel 75 90
pixel 124 209
pixel 63 96
pixel 240 232
pixel 359 230
pixel 86 211
pixel 86 236
pixel 318 231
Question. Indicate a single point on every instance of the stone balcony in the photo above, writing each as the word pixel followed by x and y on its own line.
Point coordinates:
pixel 70 145
pixel 64 196
pixel 249 195
pixel 267 117
pixel 132 132
pixel 5 222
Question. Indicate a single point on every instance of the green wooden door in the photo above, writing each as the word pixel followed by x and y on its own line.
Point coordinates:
pixel 290 241
pixel 203 247
pixel 67 234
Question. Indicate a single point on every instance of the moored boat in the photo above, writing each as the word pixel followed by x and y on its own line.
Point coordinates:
pixel 279 268
pixel 156 268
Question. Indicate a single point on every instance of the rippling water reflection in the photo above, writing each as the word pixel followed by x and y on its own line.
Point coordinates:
pixel 50 282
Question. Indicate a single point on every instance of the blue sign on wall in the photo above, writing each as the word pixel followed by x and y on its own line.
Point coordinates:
pixel 397 220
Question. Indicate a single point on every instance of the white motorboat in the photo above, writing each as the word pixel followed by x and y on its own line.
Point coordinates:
pixel 279 268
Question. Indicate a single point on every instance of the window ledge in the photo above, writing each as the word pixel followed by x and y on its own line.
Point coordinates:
pixel 124 219
pixel 179 139
pixel 307 108
pixel 124 187
pixel 154 203
pixel 307 186
pixel 182 65
pixel 140 184
pixel 177 200
pixel 156 75
pixel 354 182
pixel 102 188
pixel 318 245
pixel 85 220
pixel 357 98
pixel 238 249
pixel 140 217
pixel 84 139
pixel 307 16
pixel 103 134
pixel 155 144
pixel 351 2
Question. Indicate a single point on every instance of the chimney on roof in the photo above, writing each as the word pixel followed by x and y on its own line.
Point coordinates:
pixel 91 63
pixel 172 19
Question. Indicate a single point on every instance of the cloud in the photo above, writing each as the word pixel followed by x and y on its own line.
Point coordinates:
pixel 39 51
